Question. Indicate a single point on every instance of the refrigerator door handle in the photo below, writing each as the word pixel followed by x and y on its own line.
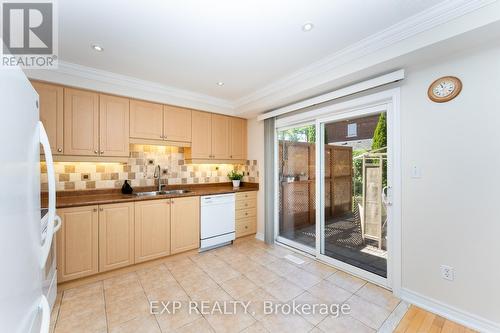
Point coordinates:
pixel 44 140
pixel 45 307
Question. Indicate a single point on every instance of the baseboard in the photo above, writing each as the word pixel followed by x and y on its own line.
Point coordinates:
pixel 459 316
pixel 259 236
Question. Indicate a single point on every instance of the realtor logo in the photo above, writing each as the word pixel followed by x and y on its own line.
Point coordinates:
pixel 29 34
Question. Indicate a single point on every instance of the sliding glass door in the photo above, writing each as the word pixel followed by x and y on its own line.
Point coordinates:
pixel 353 228
pixel 296 186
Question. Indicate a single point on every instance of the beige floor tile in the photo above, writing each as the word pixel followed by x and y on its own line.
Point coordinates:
pixel 154 277
pixel 303 279
pixel 244 266
pixel 304 260
pixel 347 281
pixel 200 325
pixel 211 294
pixel 86 323
pixel 307 298
pixel 239 286
pixel 283 290
pixel 329 292
pixel 315 330
pixel 261 275
pixel 282 267
pixel 141 324
pixel 120 292
pixel 229 323
pixel 197 282
pixel 262 257
pixel 136 306
pixel 257 299
pixel 277 323
pixel 222 273
pixel 120 280
pixel 368 313
pixel 172 321
pixel 85 290
pixel 81 306
pixel 255 328
pixel 171 291
pixel 319 269
pixel 344 324
pixel 181 272
pixel 379 296
pixel 278 251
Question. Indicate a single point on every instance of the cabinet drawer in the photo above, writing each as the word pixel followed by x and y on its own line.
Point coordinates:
pixel 246 204
pixel 244 213
pixel 246 226
pixel 246 195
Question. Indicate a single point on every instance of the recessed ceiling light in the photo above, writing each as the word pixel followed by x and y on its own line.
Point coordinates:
pixel 220 83
pixel 307 27
pixel 97 48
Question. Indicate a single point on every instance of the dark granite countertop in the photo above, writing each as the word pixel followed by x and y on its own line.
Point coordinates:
pixel 97 197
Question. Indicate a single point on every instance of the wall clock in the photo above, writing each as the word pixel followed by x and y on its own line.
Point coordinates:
pixel 444 89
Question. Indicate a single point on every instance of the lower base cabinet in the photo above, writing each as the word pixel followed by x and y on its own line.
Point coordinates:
pixel 185 224
pixel 77 243
pixel 152 229
pixel 116 236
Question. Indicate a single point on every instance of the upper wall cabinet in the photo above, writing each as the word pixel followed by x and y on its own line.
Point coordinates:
pixel 176 124
pixel 146 120
pixel 81 122
pixel 217 138
pixel 51 99
pixel 201 143
pixel 113 126
pixel 238 139
pixel 220 137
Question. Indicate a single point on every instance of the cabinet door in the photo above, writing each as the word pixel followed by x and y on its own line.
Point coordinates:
pixel 51 104
pixel 77 243
pixel 146 120
pixel 238 139
pixel 116 236
pixel 81 122
pixel 201 143
pixel 185 224
pixel 176 124
pixel 113 126
pixel 220 137
pixel 152 229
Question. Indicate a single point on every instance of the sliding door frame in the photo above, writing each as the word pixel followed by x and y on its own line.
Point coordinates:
pixel 385 101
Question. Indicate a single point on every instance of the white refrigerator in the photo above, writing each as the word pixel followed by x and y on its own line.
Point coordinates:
pixel 26 240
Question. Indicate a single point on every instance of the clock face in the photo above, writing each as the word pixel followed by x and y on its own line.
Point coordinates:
pixel 444 89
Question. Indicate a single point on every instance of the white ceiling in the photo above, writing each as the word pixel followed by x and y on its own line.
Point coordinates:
pixel 191 45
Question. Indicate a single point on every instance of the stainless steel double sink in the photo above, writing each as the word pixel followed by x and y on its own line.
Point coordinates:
pixel 154 193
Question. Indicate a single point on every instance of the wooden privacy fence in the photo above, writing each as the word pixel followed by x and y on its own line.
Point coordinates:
pixel 297 181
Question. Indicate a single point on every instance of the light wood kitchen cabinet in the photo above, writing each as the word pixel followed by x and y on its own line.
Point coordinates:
pixel 220 137
pixel 77 243
pixel 201 142
pixel 185 224
pixel 81 122
pixel 246 213
pixel 51 105
pixel 176 123
pixel 238 139
pixel 113 126
pixel 116 236
pixel 152 229
pixel 146 120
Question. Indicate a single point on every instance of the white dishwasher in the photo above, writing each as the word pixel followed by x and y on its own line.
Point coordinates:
pixel 217 220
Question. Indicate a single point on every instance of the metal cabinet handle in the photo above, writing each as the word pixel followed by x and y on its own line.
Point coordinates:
pixel 101 209
pixel 102 152
pixel 95 151
pixel 94 210
pixel 59 150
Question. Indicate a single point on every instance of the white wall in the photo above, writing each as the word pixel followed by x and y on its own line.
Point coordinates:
pixel 451 215
pixel 256 152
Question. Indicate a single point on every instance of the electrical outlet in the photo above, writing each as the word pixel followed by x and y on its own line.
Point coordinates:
pixel 447 272
pixel 151 162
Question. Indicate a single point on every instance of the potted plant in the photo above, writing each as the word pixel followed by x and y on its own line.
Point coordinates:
pixel 235 178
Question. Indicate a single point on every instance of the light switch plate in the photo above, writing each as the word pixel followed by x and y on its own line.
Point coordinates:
pixel 416 172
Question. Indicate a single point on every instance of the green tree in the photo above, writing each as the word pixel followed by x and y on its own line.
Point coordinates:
pixel 380 134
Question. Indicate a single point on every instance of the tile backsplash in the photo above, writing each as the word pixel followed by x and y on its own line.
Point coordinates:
pixel 140 170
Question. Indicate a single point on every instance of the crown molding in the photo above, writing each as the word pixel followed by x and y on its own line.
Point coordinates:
pixel 97 79
pixel 322 71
